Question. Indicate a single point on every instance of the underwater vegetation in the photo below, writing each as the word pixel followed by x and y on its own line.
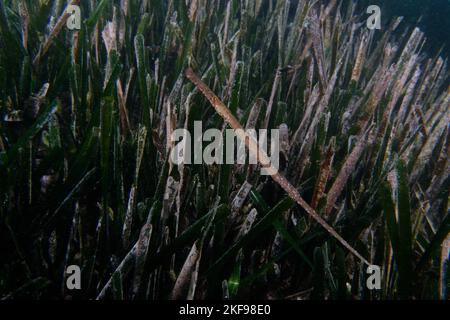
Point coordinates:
pixel 86 118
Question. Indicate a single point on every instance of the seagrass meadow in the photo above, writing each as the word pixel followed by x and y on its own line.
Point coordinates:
pixel 85 177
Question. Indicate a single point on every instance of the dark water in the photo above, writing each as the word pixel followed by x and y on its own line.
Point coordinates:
pixel 432 16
